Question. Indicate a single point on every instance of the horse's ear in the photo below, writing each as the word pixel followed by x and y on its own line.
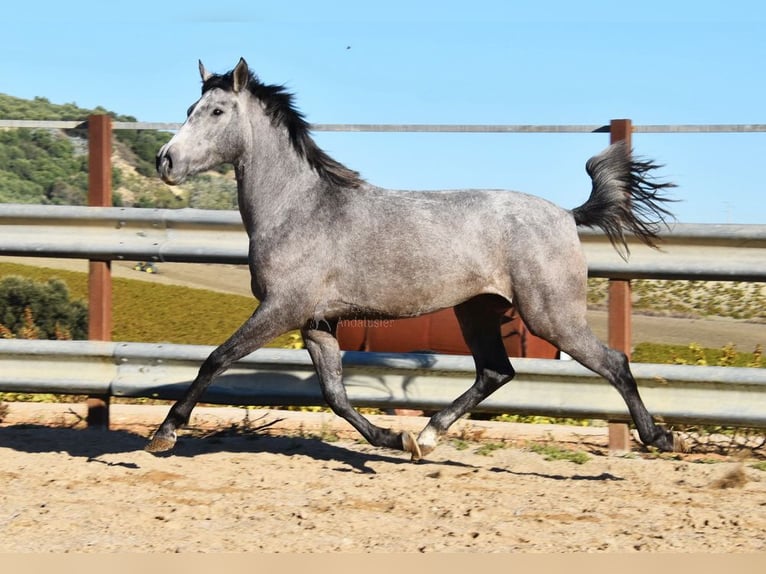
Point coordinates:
pixel 241 75
pixel 204 74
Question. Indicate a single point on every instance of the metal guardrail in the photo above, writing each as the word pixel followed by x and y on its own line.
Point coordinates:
pixel 689 251
pixel 115 233
pixel 418 128
pixel 726 395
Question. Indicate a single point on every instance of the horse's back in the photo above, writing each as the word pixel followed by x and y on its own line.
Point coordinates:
pixel 447 246
pixel 509 221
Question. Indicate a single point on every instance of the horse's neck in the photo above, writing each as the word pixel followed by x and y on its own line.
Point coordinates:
pixel 274 185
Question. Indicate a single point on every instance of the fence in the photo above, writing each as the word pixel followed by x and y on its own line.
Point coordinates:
pixel 103 234
pixel 677 393
pixel 689 251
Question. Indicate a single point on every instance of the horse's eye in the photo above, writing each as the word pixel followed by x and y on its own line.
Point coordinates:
pixel 217 111
pixel 190 110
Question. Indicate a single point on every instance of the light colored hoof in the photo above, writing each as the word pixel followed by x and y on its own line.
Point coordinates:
pixel 427 440
pixel 161 443
pixel 426 449
pixel 411 445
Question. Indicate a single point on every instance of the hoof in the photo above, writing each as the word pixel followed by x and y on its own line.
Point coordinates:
pixel 427 440
pixel 161 443
pixel 409 444
pixel 426 449
pixel 668 441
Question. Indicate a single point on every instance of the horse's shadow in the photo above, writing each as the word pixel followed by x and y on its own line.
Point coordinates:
pixel 603 477
pixel 93 444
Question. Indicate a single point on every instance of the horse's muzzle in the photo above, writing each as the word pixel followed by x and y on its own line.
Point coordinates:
pixel 164 163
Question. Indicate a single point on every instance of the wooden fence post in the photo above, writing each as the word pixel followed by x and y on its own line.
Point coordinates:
pixel 620 306
pixel 99 272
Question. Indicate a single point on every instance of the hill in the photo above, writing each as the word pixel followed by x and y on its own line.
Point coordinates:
pixel 50 166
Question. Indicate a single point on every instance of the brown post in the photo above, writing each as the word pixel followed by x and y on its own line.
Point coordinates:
pixel 99 272
pixel 620 306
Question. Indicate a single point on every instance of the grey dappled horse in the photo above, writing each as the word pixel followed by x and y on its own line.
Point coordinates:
pixel 325 245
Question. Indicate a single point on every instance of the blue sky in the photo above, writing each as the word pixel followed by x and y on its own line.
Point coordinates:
pixel 392 61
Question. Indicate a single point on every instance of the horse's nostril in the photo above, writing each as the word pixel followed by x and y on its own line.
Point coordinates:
pixel 163 160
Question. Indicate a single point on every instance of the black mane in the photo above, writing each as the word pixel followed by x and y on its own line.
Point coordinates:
pixel 278 103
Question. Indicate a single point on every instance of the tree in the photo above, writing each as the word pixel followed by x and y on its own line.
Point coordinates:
pixel 60 193
pixel 33 309
pixel 50 165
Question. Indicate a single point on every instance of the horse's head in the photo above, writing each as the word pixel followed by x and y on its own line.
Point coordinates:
pixel 214 130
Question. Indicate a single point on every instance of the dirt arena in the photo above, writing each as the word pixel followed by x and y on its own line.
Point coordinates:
pixel 302 482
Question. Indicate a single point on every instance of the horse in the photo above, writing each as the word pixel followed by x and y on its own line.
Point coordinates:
pixel 325 245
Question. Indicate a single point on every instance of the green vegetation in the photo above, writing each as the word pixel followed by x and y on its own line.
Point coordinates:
pixel 540 420
pixel 51 166
pixel 34 310
pixel 142 143
pixel 12 108
pixel 554 452
pixel 488 448
pixel 148 312
pixel 459 444
pixel 37 166
pixel 207 191
pixel 693 354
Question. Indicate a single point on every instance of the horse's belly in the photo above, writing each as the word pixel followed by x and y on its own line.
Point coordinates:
pixel 401 295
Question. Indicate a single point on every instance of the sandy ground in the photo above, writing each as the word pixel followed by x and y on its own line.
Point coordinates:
pixel 712 333
pixel 303 483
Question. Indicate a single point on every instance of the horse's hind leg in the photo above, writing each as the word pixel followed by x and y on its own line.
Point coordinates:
pixel 558 316
pixel 479 320
pixel 325 353
pixel 613 365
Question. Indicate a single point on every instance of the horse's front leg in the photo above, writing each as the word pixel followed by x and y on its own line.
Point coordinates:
pixel 267 322
pixel 325 353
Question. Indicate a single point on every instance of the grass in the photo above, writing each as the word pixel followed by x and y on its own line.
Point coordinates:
pixel 732 299
pixel 537 419
pixel 553 452
pixel 693 354
pixel 460 444
pixel 488 448
pixel 151 313
pixel 145 312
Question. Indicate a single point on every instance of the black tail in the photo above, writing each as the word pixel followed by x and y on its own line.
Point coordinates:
pixel 625 197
